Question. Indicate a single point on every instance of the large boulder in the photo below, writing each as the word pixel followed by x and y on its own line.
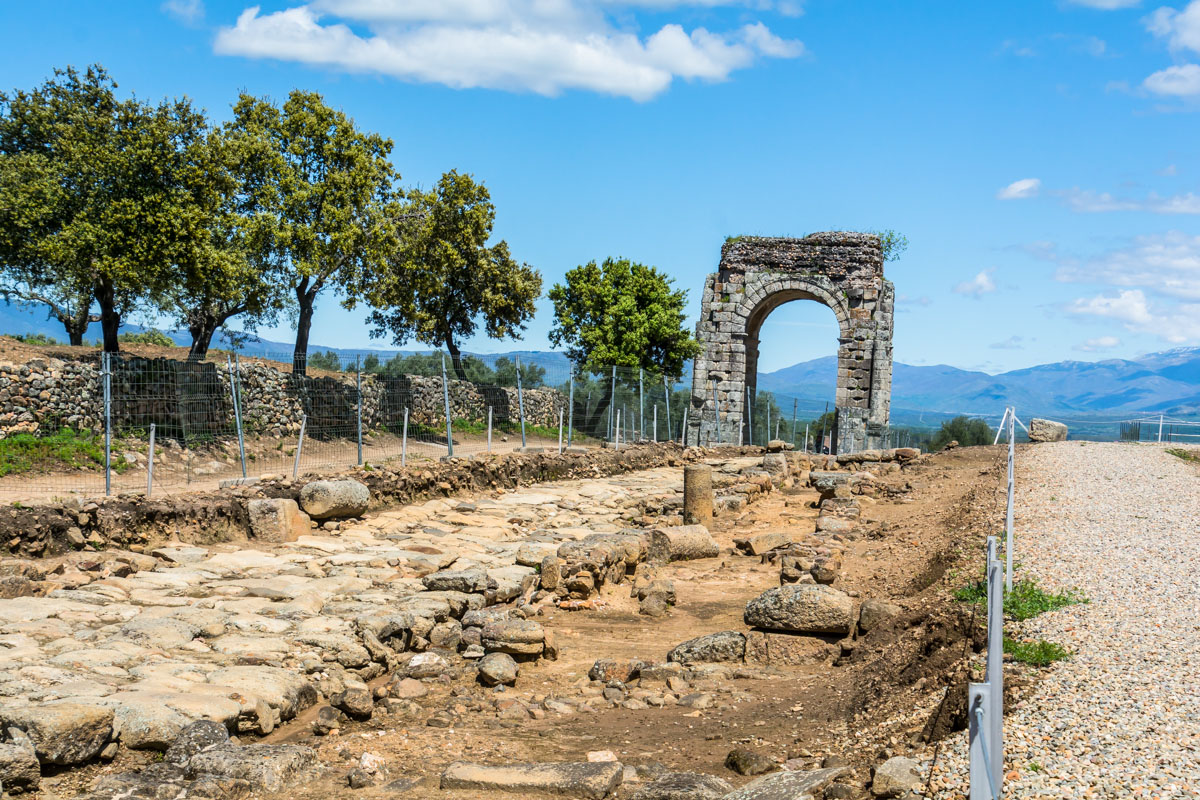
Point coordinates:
pixel 517 637
pixel 723 646
pixel 498 669
pixel 1044 430
pixel 340 498
pixel 64 734
pixel 266 767
pixel 277 520
pixel 895 777
pixel 592 780
pixel 684 786
pixel 19 768
pixel 802 608
pixel 786 785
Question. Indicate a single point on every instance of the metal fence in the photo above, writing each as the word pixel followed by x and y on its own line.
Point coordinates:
pixel 123 423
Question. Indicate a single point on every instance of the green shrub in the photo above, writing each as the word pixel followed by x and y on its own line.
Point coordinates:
pixel 1026 600
pixel 1036 654
pixel 36 339
pixel 152 336
pixel 1186 455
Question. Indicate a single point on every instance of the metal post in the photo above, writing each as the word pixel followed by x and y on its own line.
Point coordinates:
pixel 404 440
pixel 654 431
pixel 570 406
pixel 806 437
pixel 560 424
pixel 979 702
pixel 489 429
pixel 641 407
pixel 767 424
pixel 612 401
pixel 358 369
pixel 1160 424
pixel 237 410
pixel 446 402
pixel 625 408
pixel 667 399
pixel 1008 519
pixel 617 432
pixel 1000 429
pixel 107 379
pixel 150 464
pixel 300 446
pixel 794 402
pixel 520 402
pixel 683 432
pixel 995 665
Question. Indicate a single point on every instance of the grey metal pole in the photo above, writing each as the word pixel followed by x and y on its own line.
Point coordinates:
pixel 767 424
pixel 446 403
pixel 358 369
pixel 1160 424
pixel 806 437
pixel 979 703
pixel 612 401
pixel 683 432
pixel 300 446
pixel 641 407
pixel 995 664
pixel 570 406
pixel 794 402
pixel 617 432
pixel 404 441
pixel 654 432
pixel 560 423
pixel 489 429
pixel 1008 518
pixel 627 422
pixel 667 400
pixel 107 380
pixel 520 402
pixel 237 411
pixel 150 465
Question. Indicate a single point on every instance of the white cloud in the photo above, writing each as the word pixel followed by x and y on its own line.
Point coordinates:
pixel 978 286
pixel 1087 201
pixel 1181 29
pixel 543 46
pixel 189 11
pixel 1099 343
pixel 1176 324
pixel 1105 5
pixel 1019 190
pixel 1011 343
pixel 1167 264
pixel 1179 81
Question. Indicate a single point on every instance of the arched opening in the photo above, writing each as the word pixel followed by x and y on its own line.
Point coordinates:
pixel 792 373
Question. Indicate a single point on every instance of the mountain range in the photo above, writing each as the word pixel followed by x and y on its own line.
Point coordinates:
pixel 1167 382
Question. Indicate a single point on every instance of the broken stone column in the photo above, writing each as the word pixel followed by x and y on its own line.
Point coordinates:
pixel 697 494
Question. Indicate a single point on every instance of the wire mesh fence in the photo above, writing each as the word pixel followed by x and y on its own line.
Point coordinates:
pixel 125 423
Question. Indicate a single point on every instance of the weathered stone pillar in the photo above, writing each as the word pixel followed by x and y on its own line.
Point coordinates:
pixel 697 494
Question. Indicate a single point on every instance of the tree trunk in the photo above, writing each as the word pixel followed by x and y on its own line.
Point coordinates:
pixel 202 331
pixel 306 300
pixel 110 317
pixel 455 358
pixel 77 323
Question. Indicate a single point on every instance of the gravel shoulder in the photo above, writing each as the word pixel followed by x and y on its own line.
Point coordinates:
pixel 1121 717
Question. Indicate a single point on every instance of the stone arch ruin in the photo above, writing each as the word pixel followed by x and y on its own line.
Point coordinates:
pixel 843 271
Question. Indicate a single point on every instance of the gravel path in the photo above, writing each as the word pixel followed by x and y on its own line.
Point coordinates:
pixel 1121 718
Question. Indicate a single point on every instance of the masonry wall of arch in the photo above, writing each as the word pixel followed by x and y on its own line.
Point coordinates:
pixel 843 271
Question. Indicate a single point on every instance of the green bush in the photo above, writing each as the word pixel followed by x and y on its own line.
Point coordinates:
pixel 36 338
pixel 966 431
pixel 152 336
pixel 1037 654
pixel 1026 600
pixel 63 449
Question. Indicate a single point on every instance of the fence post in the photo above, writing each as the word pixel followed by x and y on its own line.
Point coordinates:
pixel 667 402
pixel 446 403
pixel 106 379
pixel 560 421
pixel 404 439
pixel 995 666
pixel 300 446
pixel 150 464
pixel 979 702
pixel 489 429
pixel 683 431
pixel 1008 518
pixel 794 402
pixel 654 432
pixel 628 423
pixel 237 411
pixel 1160 424
pixel 767 424
pixel 612 401
pixel 641 407
pixel 1000 429
pixel 570 405
pixel 806 437
pixel 358 369
pixel 520 403
pixel 617 433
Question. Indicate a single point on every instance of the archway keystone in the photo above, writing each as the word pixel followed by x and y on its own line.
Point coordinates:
pixel 843 271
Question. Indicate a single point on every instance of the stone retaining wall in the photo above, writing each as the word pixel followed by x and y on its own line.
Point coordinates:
pixel 187 399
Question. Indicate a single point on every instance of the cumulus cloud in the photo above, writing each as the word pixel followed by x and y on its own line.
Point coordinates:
pixel 1130 308
pixel 1087 201
pixel 1020 190
pixel 1097 344
pixel 1181 29
pixel 1164 263
pixel 1182 80
pixel 1011 343
pixel 978 286
pixel 543 46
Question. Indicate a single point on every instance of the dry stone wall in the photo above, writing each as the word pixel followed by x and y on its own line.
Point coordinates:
pixel 186 400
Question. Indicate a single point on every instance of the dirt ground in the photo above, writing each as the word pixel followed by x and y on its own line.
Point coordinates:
pixel 874 701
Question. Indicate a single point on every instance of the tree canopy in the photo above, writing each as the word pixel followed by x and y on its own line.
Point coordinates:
pixel 966 431
pixel 624 313
pixel 445 276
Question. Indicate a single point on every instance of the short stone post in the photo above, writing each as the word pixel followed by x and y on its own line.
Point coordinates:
pixel 697 494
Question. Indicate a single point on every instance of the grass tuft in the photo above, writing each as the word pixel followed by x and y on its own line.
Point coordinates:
pixel 1036 654
pixel 1026 600
pixel 1186 455
pixel 64 449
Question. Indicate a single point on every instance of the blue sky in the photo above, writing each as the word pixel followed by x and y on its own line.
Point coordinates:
pixel 1043 158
